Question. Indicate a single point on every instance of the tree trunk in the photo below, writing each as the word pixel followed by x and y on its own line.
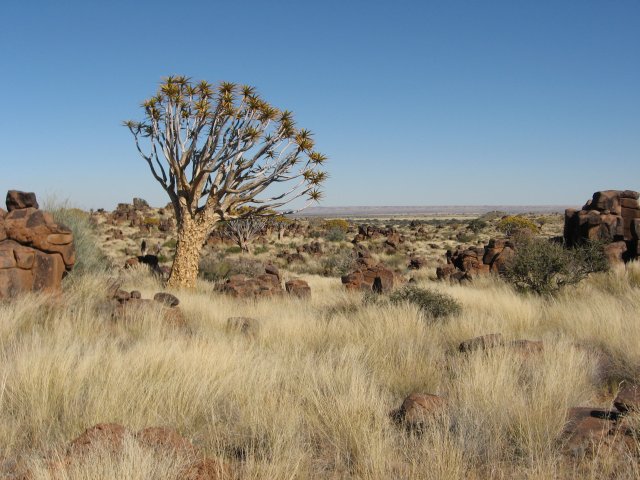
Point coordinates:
pixel 191 237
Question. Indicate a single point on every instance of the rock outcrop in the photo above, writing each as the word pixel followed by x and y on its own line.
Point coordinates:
pixel 590 431
pixel 35 251
pixel 130 306
pixel 264 286
pixel 468 263
pixel 369 275
pixel 612 217
pixel 298 288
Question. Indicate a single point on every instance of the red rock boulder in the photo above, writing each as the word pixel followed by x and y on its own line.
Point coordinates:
pixel 35 252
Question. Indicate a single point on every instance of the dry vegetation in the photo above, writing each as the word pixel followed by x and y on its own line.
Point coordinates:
pixel 309 395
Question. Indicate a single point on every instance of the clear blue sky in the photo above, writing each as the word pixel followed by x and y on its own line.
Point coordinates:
pixel 416 102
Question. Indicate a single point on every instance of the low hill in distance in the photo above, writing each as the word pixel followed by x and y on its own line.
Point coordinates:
pixel 439 210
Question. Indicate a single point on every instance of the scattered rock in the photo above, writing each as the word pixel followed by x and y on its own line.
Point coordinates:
pixel 166 299
pixel 416 263
pixel 103 436
pixel 628 399
pixel 298 288
pixel 376 278
pixel 495 340
pixel 468 263
pixel 417 409
pixel 241 286
pixel 590 430
pixel 272 270
pixel 129 307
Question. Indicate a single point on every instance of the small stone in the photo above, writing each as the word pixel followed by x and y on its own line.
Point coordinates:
pixel 628 399
pixel 417 409
pixel 17 200
pixel 167 299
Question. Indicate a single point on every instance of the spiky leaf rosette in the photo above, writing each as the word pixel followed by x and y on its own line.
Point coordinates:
pixel 219 147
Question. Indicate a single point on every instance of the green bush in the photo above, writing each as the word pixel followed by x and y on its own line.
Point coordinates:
pixel 514 223
pixel 260 249
pixel 336 224
pixel 151 221
pixel 218 270
pixel 544 267
pixel 89 256
pixel 432 304
pixel 171 243
pixel 477 225
pixel 234 249
pixel 336 235
pixel 338 264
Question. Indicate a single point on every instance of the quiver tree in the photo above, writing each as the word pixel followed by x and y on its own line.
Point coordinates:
pixel 243 230
pixel 215 149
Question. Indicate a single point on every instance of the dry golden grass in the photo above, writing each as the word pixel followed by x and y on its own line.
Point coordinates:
pixel 310 396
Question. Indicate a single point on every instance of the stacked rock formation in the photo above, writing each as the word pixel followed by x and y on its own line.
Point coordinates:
pixel 370 275
pixel 130 306
pixel 468 263
pixel 35 251
pixel 264 286
pixel 613 432
pixel 611 216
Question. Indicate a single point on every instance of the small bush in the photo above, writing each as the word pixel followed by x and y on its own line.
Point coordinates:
pixel 260 249
pixel 432 304
pixel 151 221
pixel 512 224
pixel 492 215
pixel 544 267
pixel 171 243
pixel 220 270
pixel 234 249
pixel 477 225
pixel 339 264
pixel 336 224
pixel 336 235
pixel 89 256
pixel 464 237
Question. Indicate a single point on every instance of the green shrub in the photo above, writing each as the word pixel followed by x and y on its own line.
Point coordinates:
pixel 492 215
pixel 336 235
pixel 260 249
pixel 544 267
pixel 464 237
pixel 89 256
pixel 514 223
pixel 432 304
pixel 336 224
pixel 338 264
pixel 171 243
pixel 234 249
pixel 217 270
pixel 477 225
